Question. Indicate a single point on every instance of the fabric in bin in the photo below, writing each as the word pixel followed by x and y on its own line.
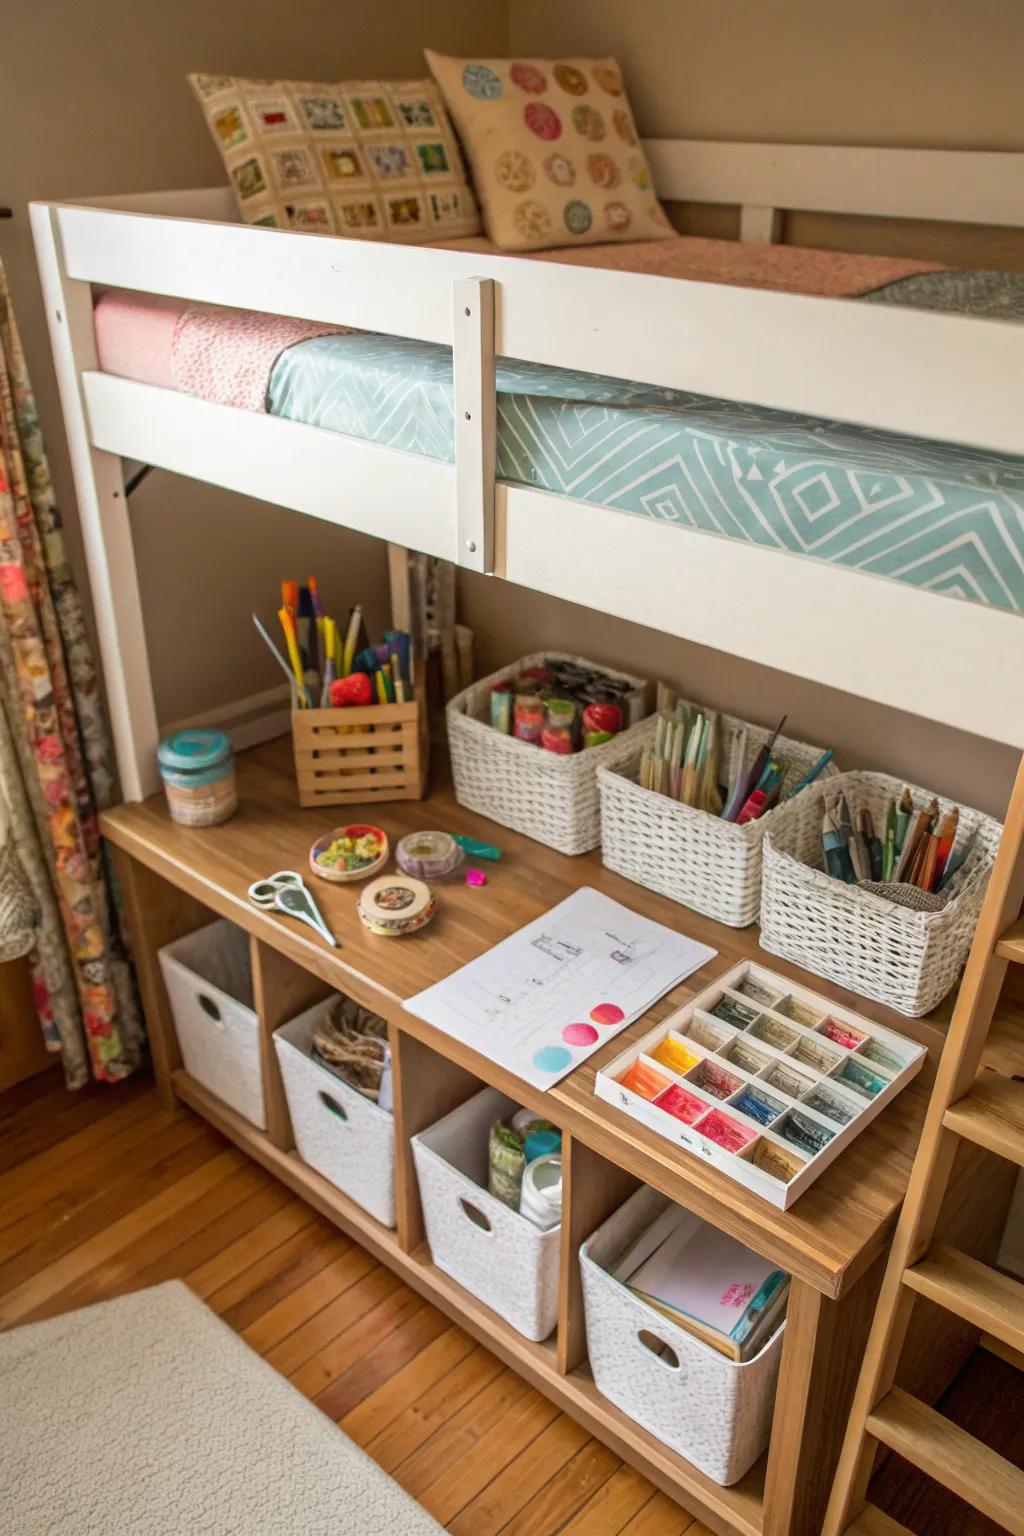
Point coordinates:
pixel 933 515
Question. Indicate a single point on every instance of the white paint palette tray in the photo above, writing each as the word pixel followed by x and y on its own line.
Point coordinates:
pixel 764 1080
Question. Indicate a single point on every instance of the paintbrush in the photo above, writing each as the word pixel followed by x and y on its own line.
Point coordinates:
pixel 272 648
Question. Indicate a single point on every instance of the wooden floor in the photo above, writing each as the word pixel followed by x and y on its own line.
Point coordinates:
pixel 101 1193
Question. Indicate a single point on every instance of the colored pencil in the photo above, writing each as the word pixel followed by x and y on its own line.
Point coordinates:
pixel 813 772
pixel 904 812
pixel 889 847
pixel 947 837
pixel 928 862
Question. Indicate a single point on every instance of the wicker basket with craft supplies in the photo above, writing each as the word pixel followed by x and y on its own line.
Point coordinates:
pixel 901 938
pixel 543 780
pixel 665 826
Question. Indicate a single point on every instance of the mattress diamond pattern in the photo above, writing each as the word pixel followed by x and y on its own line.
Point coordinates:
pixel 936 516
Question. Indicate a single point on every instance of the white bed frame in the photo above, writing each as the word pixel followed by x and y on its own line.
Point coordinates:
pixel 936 376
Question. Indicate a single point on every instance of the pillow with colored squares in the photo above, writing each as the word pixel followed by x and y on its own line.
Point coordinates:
pixel 373 159
pixel 554 151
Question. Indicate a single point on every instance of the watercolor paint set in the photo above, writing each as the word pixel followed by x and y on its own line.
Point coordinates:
pixel 765 1080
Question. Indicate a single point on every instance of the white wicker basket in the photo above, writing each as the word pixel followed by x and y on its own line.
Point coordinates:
pixel 714 1411
pixel 338 1130
pixel 906 959
pixel 551 798
pixel 697 859
pixel 482 1243
pixel 209 987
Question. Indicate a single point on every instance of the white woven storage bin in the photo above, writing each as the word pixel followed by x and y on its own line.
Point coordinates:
pixel 696 859
pixel 906 959
pixel 712 1410
pixel 338 1131
pixel 551 798
pixel 500 1256
pixel 209 986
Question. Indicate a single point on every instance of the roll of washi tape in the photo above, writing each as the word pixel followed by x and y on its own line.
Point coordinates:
pixel 428 855
pixel 502 698
pixel 393 905
pixel 529 717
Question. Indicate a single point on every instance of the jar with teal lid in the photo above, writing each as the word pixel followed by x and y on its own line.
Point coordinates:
pixel 198 770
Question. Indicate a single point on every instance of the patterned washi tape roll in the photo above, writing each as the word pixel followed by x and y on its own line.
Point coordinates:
pixel 393 905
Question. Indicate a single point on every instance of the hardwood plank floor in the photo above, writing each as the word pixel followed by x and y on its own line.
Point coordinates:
pixel 102 1193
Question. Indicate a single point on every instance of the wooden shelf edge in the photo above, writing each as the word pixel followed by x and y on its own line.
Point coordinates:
pixel 735 1511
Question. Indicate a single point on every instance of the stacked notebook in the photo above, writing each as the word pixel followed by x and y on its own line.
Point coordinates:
pixel 706 1283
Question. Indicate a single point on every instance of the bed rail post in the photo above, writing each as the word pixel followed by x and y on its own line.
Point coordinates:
pixel 760 226
pixel 475 420
pixel 103 512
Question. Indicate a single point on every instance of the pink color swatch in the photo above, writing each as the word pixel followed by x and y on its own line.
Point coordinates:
pixel 607 1013
pixel 684 1106
pixel 728 1133
pixel 579 1034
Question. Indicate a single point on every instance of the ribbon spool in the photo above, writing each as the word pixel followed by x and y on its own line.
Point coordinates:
pixel 428 855
pixel 393 905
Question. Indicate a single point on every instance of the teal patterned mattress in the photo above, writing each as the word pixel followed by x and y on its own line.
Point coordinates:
pixel 932 515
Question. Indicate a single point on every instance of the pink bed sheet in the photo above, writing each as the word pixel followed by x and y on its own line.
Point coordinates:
pixel 782 268
pixel 223 355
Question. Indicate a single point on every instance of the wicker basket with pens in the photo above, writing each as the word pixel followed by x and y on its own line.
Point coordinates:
pixel 688 853
pixel 898 943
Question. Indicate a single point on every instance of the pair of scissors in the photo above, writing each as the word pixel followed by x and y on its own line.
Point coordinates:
pixel 287 892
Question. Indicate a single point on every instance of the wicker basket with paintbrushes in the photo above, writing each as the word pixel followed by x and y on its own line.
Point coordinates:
pixel 686 853
pixel 853 934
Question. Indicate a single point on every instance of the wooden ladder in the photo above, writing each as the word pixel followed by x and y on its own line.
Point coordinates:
pixel 987 1109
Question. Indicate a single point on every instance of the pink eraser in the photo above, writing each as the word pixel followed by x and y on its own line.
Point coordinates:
pixel 475 877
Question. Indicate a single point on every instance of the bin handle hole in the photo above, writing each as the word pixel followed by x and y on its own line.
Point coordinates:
pixel 209 1007
pixel 474 1214
pixel 332 1104
pixel 664 1352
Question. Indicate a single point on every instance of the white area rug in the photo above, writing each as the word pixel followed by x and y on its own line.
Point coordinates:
pixel 147 1416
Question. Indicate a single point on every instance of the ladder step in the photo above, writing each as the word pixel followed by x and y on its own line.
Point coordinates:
pixel 992 1116
pixel 1011 945
pixel 973 1291
pixel 873 1521
pixel 1002 1351
pixel 952 1457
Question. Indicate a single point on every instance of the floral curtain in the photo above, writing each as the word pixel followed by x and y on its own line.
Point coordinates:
pixel 56 765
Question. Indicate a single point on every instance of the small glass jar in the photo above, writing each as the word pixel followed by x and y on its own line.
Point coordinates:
pixel 198 770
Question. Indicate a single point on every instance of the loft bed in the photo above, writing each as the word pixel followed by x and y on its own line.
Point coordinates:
pixel 949 380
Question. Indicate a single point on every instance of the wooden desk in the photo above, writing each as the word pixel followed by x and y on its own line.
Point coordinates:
pixel 830 1241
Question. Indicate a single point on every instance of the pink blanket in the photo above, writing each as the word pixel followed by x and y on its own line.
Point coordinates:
pixel 222 355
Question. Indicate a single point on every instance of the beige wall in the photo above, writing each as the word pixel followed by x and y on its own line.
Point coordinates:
pixel 935 74
pixel 95 100
pixel 896 72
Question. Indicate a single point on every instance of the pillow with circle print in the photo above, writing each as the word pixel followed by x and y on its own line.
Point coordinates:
pixel 555 153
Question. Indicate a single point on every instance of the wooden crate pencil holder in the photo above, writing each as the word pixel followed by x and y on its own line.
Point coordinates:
pixel 379 752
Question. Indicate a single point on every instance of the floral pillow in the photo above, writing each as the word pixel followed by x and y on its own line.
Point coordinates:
pixel 553 148
pixel 368 158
